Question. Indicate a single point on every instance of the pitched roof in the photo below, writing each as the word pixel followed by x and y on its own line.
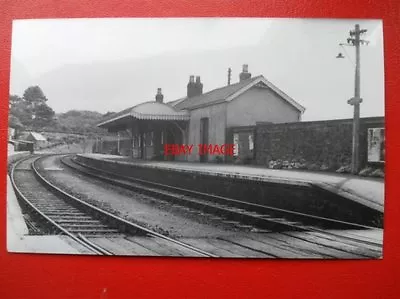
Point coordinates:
pixel 230 92
pixel 174 103
pixel 115 115
pixel 148 110
pixel 37 136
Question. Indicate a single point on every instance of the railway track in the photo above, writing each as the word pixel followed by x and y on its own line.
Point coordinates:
pixel 62 213
pixel 245 215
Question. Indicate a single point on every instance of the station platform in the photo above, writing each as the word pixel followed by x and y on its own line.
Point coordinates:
pixel 18 238
pixel 366 191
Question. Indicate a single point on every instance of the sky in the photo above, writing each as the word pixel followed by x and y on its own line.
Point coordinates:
pixel 111 64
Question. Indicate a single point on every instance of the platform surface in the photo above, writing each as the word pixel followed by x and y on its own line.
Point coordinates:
pixel 367 191
pixel 18 239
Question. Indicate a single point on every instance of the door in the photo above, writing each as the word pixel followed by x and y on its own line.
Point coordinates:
pixel 142 146
pixel 204 137
pixel 169 139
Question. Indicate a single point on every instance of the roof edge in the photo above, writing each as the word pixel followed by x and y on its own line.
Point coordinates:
pixel 271 86
pixel 181 113
pixel 113 119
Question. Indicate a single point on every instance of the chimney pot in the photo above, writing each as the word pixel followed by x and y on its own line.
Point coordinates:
pixel 199 86
pixel 244 75
pixel 159 96
pixel 194 88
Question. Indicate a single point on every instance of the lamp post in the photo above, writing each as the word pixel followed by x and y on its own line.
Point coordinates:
pixel 354 40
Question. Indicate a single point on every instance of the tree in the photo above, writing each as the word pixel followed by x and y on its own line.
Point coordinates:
pixel 15 100
pixel 38 112
pixel 20 109
pixel 108 114
pixel 14 122
pixel 34 95
pixel 43 116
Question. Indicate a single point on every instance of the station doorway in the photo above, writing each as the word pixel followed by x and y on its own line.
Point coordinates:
pixel 204 125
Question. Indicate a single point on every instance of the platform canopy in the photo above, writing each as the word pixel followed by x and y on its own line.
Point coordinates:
pixel 150 111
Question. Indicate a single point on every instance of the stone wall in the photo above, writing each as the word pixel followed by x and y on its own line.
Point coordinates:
pixel 317 145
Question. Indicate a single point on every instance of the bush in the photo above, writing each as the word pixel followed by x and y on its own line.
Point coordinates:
pixel 378 173
pixel 314 167
pixel 275 164
pixel 344 169
pixel 366 171
pixel 324 167
pixel 299 165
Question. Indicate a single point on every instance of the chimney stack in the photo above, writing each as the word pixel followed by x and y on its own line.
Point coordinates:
pixel 194 88
pixel 159 96
pixel 199 86
pixel 244 75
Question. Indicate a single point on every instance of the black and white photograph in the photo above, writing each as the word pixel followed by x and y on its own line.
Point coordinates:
pixel 197 137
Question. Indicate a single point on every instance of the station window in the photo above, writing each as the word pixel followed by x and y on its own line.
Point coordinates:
pixel 251 142
pixel 236 143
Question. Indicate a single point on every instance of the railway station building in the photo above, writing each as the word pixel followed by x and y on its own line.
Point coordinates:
pixel 217 117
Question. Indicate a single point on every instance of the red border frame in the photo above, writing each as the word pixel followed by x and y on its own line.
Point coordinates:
pixel 54 276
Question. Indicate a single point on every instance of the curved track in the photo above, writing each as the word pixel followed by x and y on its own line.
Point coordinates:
pixel 104 233
pixel 244 214
pixel 86 224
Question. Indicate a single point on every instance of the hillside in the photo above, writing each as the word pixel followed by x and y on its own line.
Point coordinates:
pixel 79 121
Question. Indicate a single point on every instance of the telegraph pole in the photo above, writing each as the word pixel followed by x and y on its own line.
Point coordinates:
pixel 356 41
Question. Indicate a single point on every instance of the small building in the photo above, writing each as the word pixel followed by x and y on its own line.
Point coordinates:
pixel 11 133
pixel 38 139
pixel 150 125
pixel 203 118
pixel 10 147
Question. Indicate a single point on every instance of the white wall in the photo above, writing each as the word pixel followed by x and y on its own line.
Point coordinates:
pixel 260 104
pixel 217 125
